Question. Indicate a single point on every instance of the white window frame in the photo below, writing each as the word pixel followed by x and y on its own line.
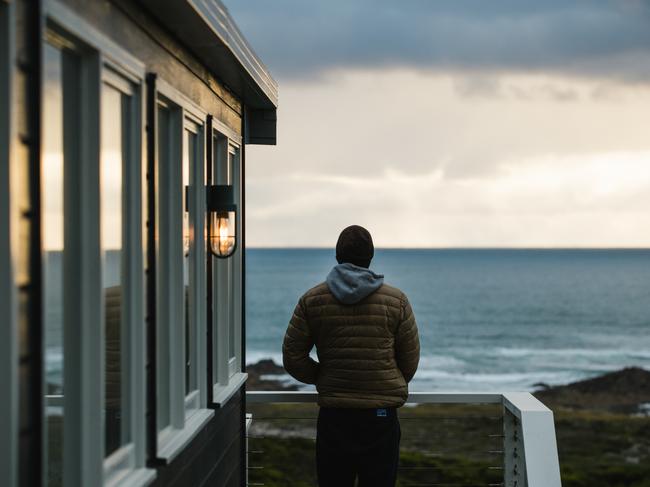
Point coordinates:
pixel 227 279
pixel 122 461
pixel 188 413
pixel 8 337
pixel 194 122
pixel 102 60
pixel 235 268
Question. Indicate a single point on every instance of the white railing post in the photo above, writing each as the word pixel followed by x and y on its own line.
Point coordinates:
pixel 536 433
pixel 249 421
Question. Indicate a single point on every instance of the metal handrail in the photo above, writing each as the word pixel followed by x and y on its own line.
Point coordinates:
pixel 530 446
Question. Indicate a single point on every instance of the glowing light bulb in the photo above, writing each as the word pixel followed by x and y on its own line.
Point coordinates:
pixel 223 233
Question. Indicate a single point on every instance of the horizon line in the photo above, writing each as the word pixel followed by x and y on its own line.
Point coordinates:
pixel 318 247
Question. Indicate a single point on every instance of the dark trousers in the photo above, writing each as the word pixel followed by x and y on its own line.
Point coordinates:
pixel 357 443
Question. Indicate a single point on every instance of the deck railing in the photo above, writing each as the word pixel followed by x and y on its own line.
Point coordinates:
pixel 515 441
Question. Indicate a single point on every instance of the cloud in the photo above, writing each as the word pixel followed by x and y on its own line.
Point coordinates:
pixel 357 123
pixel 430 159
pixel 299 38
pixel 550 201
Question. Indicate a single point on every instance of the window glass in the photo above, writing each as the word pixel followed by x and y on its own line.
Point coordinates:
pixel 189 158
pixel 114 144
pixel 231 270
pixel 222 170
pixel 52 237
pixel 163 357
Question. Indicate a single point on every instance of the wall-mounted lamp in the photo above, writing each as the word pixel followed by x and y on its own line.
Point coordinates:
pixel 223 213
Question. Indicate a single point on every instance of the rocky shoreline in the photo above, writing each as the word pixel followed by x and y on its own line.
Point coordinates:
pixel 625 391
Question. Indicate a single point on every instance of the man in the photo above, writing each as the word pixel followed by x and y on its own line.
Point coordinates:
pixel 368 350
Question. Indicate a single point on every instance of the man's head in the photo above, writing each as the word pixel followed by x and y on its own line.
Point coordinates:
pixel 355 246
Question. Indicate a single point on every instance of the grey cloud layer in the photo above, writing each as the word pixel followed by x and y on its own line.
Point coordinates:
pixel 600 37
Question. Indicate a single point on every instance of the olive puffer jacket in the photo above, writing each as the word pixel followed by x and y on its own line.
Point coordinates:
pixel 367 351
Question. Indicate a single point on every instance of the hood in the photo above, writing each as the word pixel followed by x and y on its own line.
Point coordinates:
pixel 350 283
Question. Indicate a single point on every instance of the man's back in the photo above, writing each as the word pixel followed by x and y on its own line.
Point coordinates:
pixel 367 350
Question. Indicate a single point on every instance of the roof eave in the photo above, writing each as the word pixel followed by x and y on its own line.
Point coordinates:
pixel 206 27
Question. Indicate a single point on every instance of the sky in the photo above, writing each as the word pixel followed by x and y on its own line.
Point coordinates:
pixel 453 123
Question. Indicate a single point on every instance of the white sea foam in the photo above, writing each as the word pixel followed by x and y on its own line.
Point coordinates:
pixel 444 372
pixel 54 365
pixel 575 352
pixel 494 378
pixel 488 382
pixel 441 361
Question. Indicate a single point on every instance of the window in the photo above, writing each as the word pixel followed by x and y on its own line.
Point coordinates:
pixel 121 264
pixel 110 193
pixel 194 261
pixel 189 154
pixel 91 171
pixel 234 271
pixel 167 151
pixel 8 342
pixel 181 247
pixel 227 277
pixel 52 218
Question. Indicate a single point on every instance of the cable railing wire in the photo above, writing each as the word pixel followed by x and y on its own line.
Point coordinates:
pixel 270 428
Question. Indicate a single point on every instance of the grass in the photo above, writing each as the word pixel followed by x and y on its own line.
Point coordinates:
pixel 455 445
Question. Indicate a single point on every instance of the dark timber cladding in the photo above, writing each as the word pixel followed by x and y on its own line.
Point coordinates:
pixel 214 458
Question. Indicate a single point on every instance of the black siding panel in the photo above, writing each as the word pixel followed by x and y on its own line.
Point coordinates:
pixel 213 457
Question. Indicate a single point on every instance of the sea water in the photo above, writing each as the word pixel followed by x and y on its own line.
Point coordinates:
pixel 489 319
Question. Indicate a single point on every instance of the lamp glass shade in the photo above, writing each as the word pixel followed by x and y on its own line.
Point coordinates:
pixel 222 238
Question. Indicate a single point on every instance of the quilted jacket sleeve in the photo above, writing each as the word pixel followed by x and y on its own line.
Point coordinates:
pixel 407 342
pixel 298 342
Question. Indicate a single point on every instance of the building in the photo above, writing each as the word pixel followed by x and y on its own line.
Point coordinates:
pixel 123 128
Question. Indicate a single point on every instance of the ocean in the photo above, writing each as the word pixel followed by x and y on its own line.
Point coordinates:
pixel 489 319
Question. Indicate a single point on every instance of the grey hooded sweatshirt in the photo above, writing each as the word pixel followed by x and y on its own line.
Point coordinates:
pixel 350 283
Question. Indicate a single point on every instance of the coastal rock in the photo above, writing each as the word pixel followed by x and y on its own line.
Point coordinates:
pixel 259 380
pixel 618 392
pixel 267 367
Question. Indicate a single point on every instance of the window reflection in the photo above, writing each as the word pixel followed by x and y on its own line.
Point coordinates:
pixel 231 270
pixel 113 145
pixel 189 159
pixel 52 235
pixel 162 357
